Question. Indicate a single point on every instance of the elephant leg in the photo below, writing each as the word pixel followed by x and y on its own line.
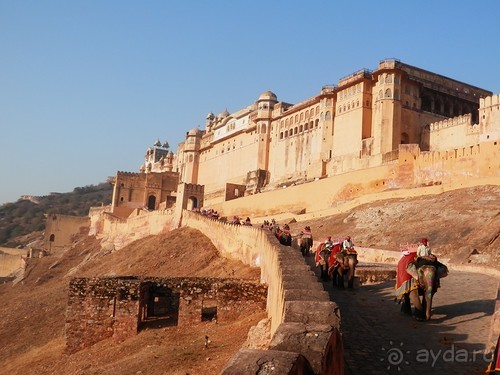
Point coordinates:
pixel 324 271
pixel 406 304
pixel 427 302
pixel 340 277
pixel 352 268
pixel 429 275
pixel 415 300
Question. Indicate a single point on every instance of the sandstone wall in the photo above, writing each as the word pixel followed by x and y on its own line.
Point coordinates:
pixel 409 169
pixel 303 319
pixel 61 230
pixel 117 232
pixel 11 260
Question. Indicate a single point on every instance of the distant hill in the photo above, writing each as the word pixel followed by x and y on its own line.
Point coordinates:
pixel 27 216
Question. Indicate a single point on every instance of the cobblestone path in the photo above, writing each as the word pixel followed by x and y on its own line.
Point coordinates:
pixel 379 339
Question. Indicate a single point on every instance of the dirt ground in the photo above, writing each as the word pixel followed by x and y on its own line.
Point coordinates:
pixel 33 312
pixel 462 225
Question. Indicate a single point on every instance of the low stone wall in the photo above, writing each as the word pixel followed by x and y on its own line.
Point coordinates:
pixel 305 324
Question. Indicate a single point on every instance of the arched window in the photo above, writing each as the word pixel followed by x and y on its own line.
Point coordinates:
pixel 388 93
pixel 328 116
pixel 296 130
pixel 281 135
pixel 263 129
pixel 301 128
pixel 286 133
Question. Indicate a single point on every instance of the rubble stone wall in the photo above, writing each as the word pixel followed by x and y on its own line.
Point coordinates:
pixel 104 307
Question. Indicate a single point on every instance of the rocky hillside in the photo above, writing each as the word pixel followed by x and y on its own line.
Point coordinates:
pixel 26 216
pixel 463 225
pixel 33 312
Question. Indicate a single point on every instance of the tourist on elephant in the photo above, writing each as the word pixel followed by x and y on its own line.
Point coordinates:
pixel 424 257
pixel 347 245
pixel 329 243
pixel 424 254
pixel 305 240
pixel 306 232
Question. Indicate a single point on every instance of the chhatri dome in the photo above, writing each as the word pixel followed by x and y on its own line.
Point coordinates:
pixel 223 114
pixel 268 95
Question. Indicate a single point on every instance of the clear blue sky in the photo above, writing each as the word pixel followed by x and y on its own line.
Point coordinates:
pixel 87 86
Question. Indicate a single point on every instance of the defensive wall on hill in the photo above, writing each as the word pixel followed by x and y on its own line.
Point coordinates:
pixel 61 230
pixel 116 232
pixel 406 168
pixel 305 324
pixel 11 260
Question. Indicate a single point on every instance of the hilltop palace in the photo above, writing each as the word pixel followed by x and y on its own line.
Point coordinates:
pixel 363 122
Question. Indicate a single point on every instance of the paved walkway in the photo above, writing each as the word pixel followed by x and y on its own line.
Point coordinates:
pixel 379 339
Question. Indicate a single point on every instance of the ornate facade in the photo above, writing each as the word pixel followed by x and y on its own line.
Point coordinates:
pixel 358 123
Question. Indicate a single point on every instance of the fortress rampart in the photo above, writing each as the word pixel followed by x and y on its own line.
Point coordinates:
pixel 11 260
pixel 118 232
pixel 305 324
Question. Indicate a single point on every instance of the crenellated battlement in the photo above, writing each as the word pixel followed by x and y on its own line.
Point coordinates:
pixel 128 174
pixel 490 101
pixel 454 121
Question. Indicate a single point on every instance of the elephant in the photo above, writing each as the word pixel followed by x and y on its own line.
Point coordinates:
pixel 409 289
pixel 305 244
pixel 425 287
pixel 322 258
pixel 284 236
pixel 343 263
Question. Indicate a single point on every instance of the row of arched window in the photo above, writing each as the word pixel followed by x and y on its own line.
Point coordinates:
pixel 350 91
pixel 351 105
pixel 299 129
pixel 305 115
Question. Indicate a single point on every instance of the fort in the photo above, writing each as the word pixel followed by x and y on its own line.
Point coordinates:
pixel 395 131
pixel 370 121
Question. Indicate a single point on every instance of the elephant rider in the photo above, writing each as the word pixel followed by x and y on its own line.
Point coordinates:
pixel 424 257
pixel 306 232
pixel 329 243
pixel 348 246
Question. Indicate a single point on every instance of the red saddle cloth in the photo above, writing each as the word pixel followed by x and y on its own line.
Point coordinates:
pixel 332 260
pixel 404 281
pixel 494 366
